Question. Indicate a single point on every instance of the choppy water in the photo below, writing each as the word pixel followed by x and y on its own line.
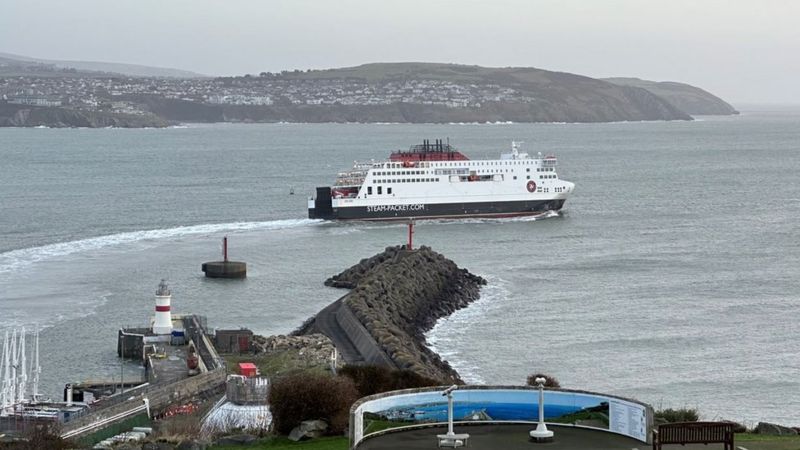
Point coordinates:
pixel 672 276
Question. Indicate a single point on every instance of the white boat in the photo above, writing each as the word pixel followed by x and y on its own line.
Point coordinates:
pixel 436 181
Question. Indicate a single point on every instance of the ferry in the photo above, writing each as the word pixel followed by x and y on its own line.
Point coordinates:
pixel 435 181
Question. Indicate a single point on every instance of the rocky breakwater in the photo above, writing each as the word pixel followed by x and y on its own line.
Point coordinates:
pixel 399 294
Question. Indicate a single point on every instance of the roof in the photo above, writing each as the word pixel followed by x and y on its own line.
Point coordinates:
pixel 247 365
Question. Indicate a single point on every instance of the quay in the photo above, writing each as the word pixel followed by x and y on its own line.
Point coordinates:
pixel 180 363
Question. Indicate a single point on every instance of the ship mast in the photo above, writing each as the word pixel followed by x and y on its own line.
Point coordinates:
pixel 14 370
pixel 5 370
pixel 22 372
pixel 35 368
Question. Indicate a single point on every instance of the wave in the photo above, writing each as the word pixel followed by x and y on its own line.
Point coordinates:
pixel 449 333
pixel 16 259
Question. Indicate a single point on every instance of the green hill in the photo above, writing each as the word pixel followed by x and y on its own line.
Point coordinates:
pixel 686 97
pixel 549 96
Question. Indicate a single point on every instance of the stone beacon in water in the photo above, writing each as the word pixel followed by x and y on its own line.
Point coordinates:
pixel 225 268
pixel 163 318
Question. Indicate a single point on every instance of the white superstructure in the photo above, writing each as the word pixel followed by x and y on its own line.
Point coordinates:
pixel 437 181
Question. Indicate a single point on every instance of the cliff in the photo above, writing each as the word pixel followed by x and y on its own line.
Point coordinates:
pixel 34 116
pixel 398 295
pixel 685 97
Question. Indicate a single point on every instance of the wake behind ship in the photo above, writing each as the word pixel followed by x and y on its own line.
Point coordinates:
pixel 434 180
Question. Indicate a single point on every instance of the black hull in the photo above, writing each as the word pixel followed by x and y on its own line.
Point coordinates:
pixel 437 211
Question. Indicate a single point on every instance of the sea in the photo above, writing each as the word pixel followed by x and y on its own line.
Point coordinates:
pixel 672 276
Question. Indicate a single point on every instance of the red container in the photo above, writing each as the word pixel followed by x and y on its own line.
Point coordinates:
pixel 247 369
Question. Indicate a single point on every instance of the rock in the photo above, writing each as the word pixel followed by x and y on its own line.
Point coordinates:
pixel 192 445
pixel 128 446
pixel 398 295
pixel 311 350
pixel 773 429
pixel 157 446
pixel 308 429
pixel 236 439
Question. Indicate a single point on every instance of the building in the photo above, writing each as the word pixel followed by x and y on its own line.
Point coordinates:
pixel 233 341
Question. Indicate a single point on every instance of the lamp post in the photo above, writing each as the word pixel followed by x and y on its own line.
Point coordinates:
pixel 541 433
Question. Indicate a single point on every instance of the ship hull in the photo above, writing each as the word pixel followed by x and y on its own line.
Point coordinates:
pixel 438 211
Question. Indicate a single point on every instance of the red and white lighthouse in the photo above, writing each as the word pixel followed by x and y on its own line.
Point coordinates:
pixel 163 319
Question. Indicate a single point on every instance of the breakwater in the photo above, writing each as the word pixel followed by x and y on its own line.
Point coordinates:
pixel 396 296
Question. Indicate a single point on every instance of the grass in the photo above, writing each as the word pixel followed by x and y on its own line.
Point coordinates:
pixel 752 441
pixel 380 425
pixel 282 443
pixel 581 416
pixel 276 364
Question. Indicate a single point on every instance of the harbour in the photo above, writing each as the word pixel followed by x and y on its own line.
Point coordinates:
pixel 606 254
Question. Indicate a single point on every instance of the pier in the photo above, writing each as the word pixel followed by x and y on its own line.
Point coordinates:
pixel 168 379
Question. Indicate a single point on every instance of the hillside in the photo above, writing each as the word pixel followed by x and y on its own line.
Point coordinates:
pixel 683 96
pixel 380 92
pixel 541 95
pixel 10 61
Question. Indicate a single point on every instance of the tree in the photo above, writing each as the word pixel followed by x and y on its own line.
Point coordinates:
pixel 550 381
pixel 310 396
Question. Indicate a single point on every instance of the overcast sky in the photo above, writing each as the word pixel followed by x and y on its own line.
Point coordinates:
pixel 743 51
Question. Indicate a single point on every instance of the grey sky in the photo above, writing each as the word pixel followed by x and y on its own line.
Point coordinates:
pixel 744 51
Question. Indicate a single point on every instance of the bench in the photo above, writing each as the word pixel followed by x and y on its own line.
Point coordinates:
pixel 694 433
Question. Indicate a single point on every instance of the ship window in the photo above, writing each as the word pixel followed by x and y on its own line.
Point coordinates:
pixel 437 179
pixel 528 169
pixel 529 177
pixel 379 190
pixel 369 190
pixel 389 190
pixel 515 177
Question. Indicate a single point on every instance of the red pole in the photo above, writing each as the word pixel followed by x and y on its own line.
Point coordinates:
pixel 225 248
pixel 410 234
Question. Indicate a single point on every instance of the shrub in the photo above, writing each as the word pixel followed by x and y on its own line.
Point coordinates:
pixel 372 379
pixel 737 427
pixel 550 381
pixel 312 396
pixel 39 436
pixel 670 415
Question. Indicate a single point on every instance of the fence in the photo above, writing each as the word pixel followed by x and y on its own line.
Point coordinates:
pixel 151 397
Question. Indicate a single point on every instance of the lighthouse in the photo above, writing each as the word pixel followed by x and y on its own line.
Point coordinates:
pixel 163 319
